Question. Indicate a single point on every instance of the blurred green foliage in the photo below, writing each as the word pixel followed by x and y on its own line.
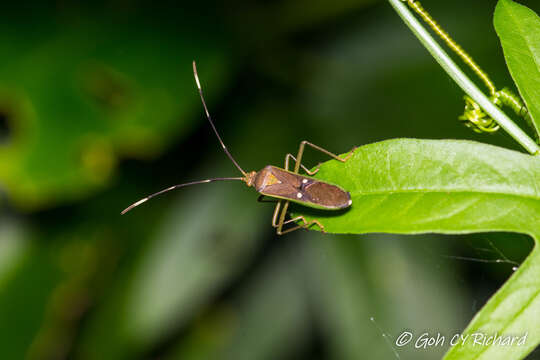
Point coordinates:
pixel 79 90
pixel 98 108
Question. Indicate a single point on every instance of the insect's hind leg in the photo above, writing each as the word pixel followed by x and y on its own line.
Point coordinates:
pixel 316 147
pixel 306 225
pixel 279 223
pixel 290 156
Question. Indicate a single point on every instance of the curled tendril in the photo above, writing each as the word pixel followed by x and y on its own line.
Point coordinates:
pixel 474 117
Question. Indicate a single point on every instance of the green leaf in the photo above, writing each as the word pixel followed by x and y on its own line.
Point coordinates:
pixel 514 310
pixel 519 30
pixel 417 186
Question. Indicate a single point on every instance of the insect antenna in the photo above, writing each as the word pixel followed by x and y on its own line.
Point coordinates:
pixel 211 122
pixel 134 205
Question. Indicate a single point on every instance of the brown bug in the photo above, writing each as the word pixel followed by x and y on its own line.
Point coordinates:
pixel 282 184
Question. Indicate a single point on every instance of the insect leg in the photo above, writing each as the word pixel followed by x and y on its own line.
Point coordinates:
pixel 276 209
pixel 282 215
pixel 305 225
pixel 301 153
pixel 276 213
pixel 290 156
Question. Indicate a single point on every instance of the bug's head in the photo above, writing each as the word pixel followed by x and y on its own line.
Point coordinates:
pixel 249 178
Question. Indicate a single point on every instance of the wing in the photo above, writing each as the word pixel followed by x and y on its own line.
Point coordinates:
pixel 327 195
pixel 282 184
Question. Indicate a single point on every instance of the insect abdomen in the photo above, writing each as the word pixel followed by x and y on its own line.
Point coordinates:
pixel 327 195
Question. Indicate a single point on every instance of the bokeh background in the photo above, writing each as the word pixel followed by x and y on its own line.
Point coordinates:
pixel 98 107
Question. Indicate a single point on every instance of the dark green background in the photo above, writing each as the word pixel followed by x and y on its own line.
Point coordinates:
pixel 98 108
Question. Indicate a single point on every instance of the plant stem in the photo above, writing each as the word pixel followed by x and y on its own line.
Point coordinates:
pixel 462 80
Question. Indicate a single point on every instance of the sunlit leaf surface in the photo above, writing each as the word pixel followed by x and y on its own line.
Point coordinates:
pixel 519 30
pixel 416 186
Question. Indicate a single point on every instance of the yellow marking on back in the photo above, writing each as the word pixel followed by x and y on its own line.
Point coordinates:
pixel 271 180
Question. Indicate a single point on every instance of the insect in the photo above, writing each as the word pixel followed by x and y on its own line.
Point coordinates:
pixel 283 185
